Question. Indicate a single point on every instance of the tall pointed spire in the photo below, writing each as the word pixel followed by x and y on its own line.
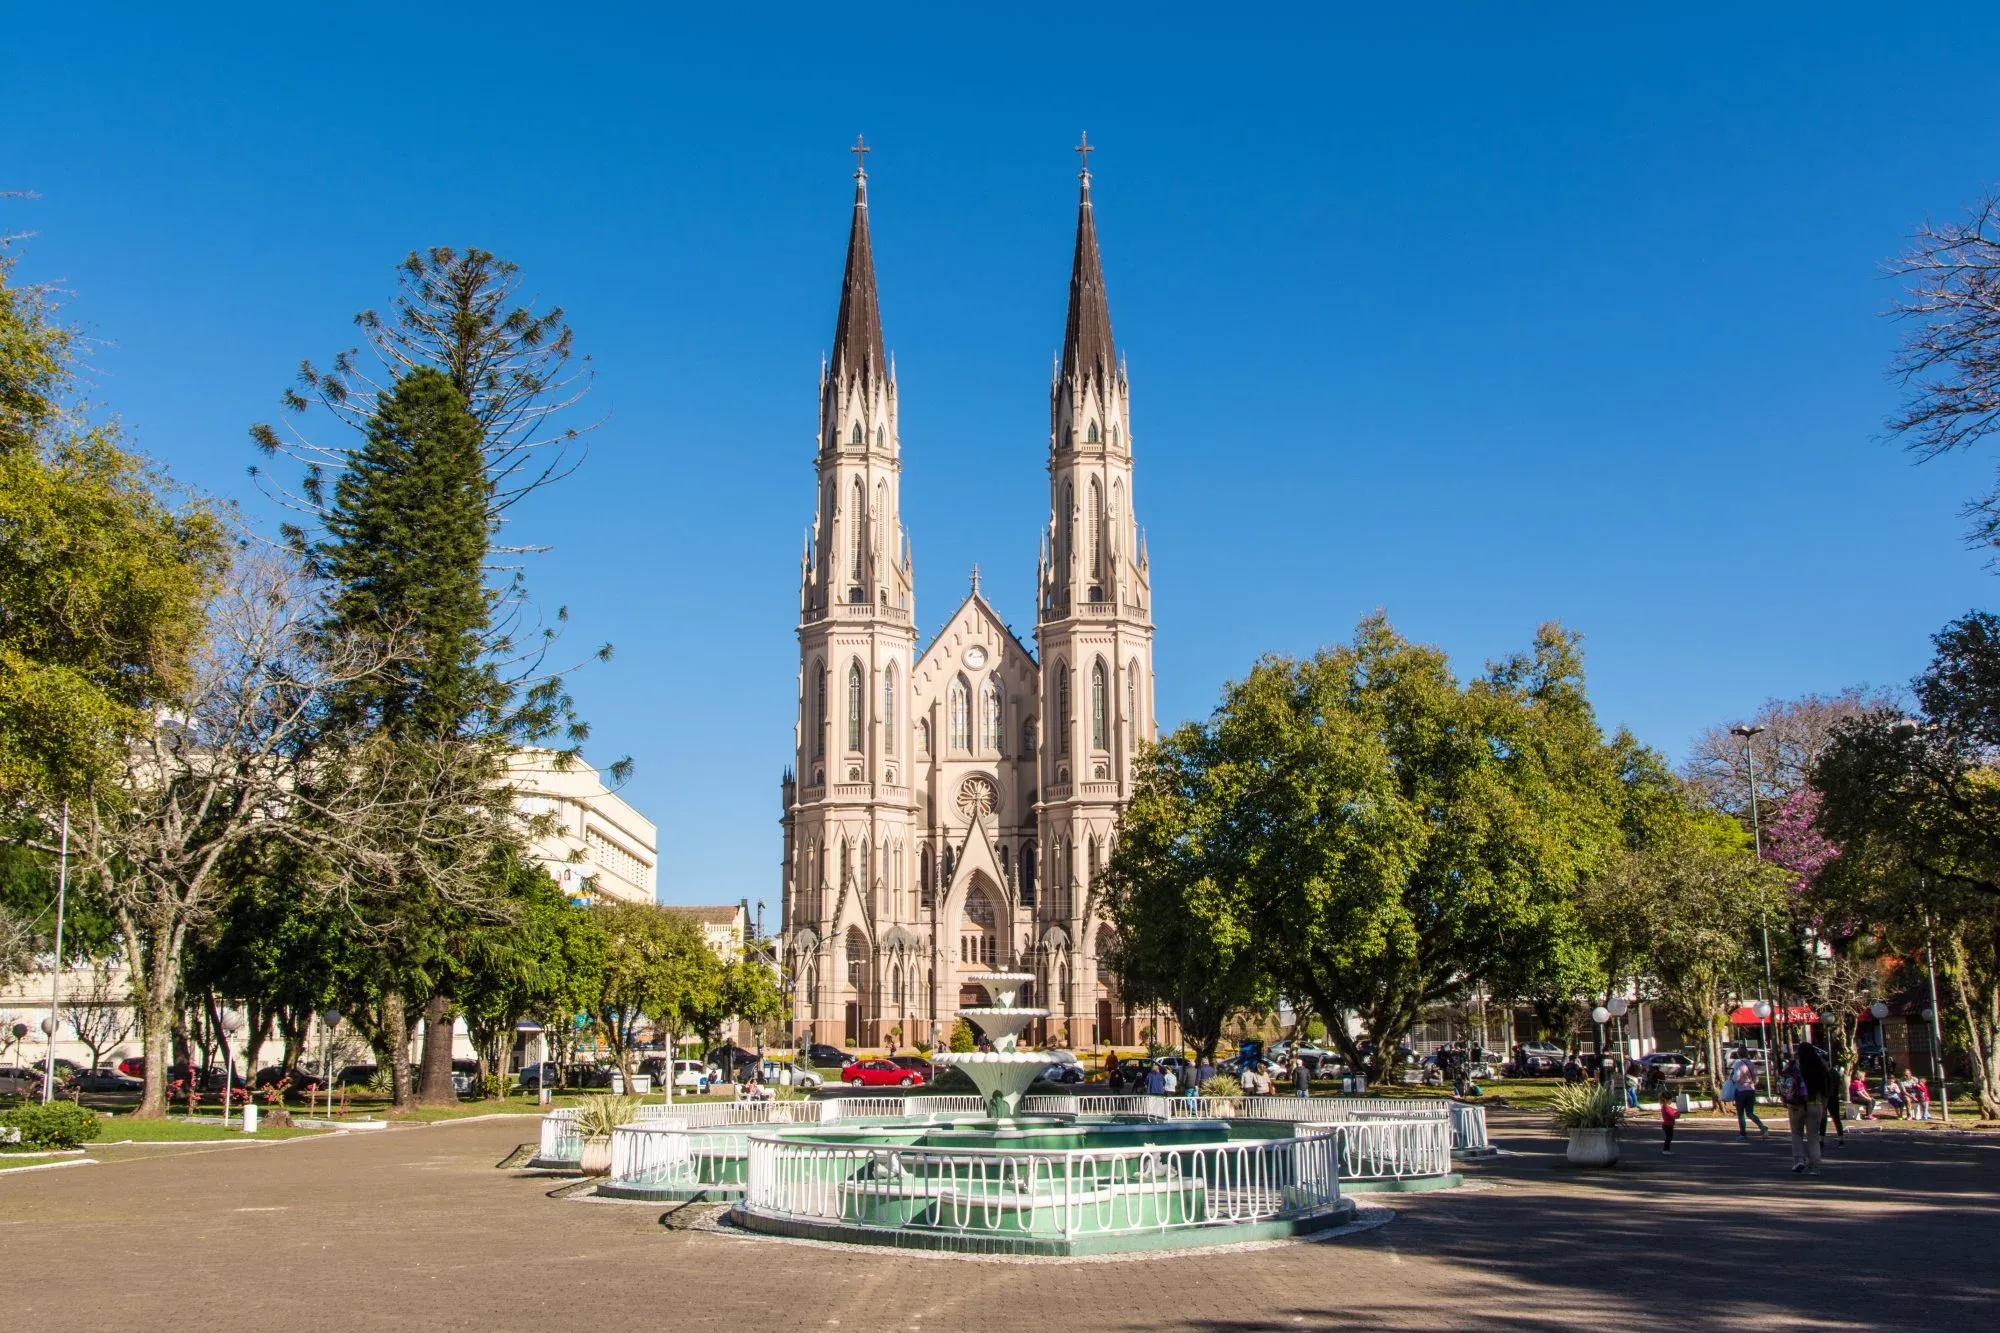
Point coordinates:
pixel 1087 346
pixel 857 330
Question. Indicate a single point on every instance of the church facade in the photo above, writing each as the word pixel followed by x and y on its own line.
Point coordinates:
pixel 951 804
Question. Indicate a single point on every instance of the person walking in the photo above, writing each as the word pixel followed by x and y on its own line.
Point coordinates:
pixel 1670 1111
pixel 1301 1076
pixel 1743 1075
pixel 1808 1084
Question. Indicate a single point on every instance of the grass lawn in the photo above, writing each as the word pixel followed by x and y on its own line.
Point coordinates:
pixel 122 1127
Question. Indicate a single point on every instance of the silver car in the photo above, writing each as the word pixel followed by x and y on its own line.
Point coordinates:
pixel 20 1081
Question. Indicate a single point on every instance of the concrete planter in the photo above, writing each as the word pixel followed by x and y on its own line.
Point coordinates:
pixel 596 1156
pixel 1593 1147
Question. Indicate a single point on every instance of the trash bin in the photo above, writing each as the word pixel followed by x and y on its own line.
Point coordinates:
pixel 642 1084
pixel 250 1118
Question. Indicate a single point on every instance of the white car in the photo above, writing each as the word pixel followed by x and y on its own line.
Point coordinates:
pixel 689 1073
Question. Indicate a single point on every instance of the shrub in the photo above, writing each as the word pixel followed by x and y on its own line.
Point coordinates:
pixel 598 1116
pixel 923 1048
pixel 1222 1085
pixel 962 1039
pixel 56 1125
pixel 1580 1106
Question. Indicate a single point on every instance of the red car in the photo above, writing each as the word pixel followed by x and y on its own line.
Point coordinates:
pixel 880 1073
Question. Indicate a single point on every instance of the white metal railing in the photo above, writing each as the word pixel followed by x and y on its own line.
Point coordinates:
pixel 1095 1104
pixel 698 1115
pixel 560 1141
pixel 1003 1192
pixel 1390 1149
pixel 1468 1128
pixel 665 1153
pixel 861 1108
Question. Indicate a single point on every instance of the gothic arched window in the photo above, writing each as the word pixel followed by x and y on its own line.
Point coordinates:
pixel 1093 436
pixel 856 436
pixel 1114 435
pixel 856 521
pixel 924 876
pixel 923 735
pixel 958 708
pixel 856 700
pixel 1098 704
pixel 1062 709
pixel 889 711
pixel 1028 874
pixel 1003 861
pixel 1096 530
pixel 819 709
pixel 1066 525
pixel 1027 736
pixel 881 437
pixel 989 715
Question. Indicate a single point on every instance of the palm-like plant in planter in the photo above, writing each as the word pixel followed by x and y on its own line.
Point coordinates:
pixel 1591 1117
pixel 595 1119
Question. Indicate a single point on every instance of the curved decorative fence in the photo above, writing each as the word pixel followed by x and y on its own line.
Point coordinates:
pixel 1468 1128
pixel 1053 1195
pixel 662 1154
pixel 1378 1149
pixel 697 1115
pixel 560 1141
pixel 862 1108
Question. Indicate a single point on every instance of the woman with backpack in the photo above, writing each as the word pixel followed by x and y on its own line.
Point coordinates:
pixel 1742 1090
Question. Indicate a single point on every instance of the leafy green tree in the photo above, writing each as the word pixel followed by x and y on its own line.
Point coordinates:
pixel 1391 837
pixel 1914 804
pixel 103 569
pixel 544 962
pixel 658 970
pixel 746 991
pixel 1159 896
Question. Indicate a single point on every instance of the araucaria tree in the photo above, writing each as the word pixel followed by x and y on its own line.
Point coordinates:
pixel 458 423
pixel 1389 836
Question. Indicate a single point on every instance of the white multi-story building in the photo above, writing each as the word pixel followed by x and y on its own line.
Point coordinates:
pixel 599 847
pixel 950 804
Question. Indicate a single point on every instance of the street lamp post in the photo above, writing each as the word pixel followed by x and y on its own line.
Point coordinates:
pixel 1746 731
pixel 328 1021
pixel 55 972
pixel 1937 1032
pixel 231 1024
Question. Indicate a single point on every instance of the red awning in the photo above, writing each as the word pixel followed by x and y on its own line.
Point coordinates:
pixel 1746 1017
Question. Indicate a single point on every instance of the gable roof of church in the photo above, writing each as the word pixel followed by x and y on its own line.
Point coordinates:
pixel 978 598
pixel 857 329
pixel 1087 348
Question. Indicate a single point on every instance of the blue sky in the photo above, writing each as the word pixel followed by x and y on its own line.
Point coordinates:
pixel 1482 317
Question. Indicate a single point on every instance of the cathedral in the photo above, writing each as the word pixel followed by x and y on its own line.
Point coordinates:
pixel 951 804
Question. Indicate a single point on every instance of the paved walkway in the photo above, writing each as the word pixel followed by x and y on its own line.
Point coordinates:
pixel 414 1228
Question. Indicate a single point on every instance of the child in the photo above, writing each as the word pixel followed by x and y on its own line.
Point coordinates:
pixel 1920 1096
pixel 1858 1094
pixel 1670 1111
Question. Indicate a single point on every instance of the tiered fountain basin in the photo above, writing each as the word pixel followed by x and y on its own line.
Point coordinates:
pixel 1044 1185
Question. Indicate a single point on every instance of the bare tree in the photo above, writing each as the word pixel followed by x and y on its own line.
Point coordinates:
pixel 198 783
pixel 17 936
pixel 98 1009
pixel 1795 733
pixel 1950 359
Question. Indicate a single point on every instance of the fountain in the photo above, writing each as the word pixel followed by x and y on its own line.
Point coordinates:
pixel 1004 1073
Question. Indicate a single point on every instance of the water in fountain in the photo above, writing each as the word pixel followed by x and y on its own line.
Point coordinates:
pixel 1004 1073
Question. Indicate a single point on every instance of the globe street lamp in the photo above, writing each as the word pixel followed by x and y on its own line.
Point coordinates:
pixel 328 1021
pixel 231 1024
pixel 48 1026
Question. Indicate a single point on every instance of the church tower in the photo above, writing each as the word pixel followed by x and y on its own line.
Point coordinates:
pixel 848 811
pixel 1094 635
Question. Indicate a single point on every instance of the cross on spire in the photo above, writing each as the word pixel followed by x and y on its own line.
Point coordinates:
pixel 1083 151
pixel 860 151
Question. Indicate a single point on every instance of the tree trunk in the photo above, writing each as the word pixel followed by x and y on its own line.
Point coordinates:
pixel 434 1089
pixel 394 1049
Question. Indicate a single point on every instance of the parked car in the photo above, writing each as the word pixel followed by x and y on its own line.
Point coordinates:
pixel 1538 1059
pixel 270 1076
pixel 1063 1074
pixel 465 1077
pixel 880 1073
pixel 20 1081
pixel 918 1064
pixel 1673 1064
pixel 133 1066
pixel 533 1076
pixel 797 1076
pixel 105 1082
pixel 823 1056
pixel 354 1076
pixel 734 1062
pixel 1317 1058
